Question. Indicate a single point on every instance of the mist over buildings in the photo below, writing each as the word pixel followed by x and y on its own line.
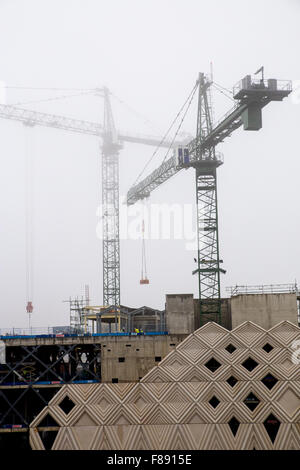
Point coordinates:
pixel 149 55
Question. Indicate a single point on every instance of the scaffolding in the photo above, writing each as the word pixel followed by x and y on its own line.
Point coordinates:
pixel 264 289
pixel 76 306
pixel 113 319
pixel 34 373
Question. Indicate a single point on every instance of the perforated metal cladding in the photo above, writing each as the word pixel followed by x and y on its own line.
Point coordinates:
pixel 171 407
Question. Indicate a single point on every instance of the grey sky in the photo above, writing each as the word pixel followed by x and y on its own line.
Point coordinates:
pixel 149 54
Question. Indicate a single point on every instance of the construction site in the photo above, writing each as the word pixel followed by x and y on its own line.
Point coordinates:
pixel 205 372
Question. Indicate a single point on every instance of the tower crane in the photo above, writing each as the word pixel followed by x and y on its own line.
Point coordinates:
pixel 250 95
pixel 112 143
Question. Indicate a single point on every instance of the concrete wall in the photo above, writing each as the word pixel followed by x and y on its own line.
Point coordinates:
pixel 226 321
pixel 225 315
pixel 138 354
pixel 180 313
pixel 266 310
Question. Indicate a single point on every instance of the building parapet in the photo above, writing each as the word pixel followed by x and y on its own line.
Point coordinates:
pixel 263 289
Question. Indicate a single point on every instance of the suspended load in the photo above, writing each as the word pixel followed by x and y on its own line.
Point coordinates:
pixel 29 185
pixel 144 279
pixel 29 307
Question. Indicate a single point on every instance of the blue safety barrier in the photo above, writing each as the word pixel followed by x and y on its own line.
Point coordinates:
pixel 49 382
pixel 150 333
pixel 13 426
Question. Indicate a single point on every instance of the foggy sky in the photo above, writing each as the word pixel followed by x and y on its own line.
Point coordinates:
pixel 149 54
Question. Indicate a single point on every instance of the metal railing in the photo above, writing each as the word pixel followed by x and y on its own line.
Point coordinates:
pixel 263 289
pixel 256 83
pixel 225 116
pixel 8 333
pixel 50 330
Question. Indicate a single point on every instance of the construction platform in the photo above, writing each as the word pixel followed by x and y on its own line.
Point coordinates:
pixel 100 319
pixel 37 366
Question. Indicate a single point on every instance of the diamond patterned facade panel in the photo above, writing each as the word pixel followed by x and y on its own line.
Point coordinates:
pixel 218 389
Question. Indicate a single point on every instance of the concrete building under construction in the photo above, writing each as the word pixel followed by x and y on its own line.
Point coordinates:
pixel 206 373
pixel 46 376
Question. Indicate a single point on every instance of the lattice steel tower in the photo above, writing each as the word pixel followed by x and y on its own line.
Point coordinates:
pixel 110 202
pixel 206 162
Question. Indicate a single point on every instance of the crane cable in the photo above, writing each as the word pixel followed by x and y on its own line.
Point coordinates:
pixel 145 119
pixel 54 98
pixel 13 87
pixel 187 101
pixel 144 266
pixel 144 279
pixel 223 88
pixel 218 88
pixel 29 186
pixel 181 122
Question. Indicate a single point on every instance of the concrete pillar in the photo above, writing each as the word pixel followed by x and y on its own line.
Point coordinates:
pixel 180 313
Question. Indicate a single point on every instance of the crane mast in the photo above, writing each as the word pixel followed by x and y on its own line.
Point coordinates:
pixel 206 162
pixel 110 201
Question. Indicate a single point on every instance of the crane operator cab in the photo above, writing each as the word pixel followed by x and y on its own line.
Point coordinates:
pixel 182 156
